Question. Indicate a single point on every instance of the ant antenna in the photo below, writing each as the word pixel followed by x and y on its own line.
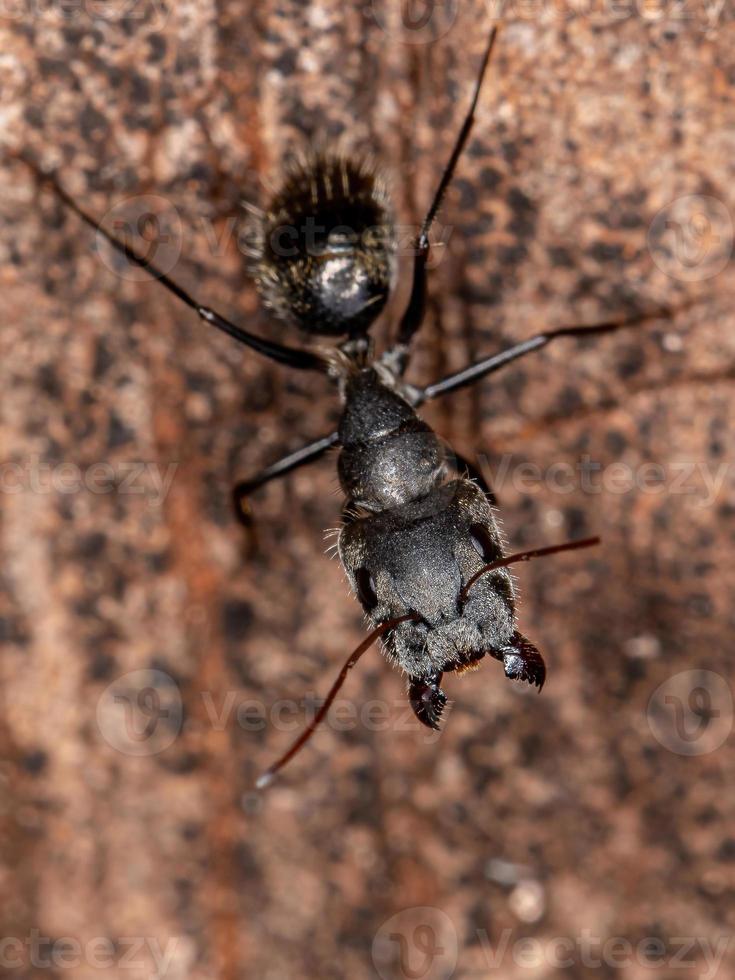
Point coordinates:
pixel 267 777
pixel 414 313
pixel 291 356
pixel 527 556
pixel 459 145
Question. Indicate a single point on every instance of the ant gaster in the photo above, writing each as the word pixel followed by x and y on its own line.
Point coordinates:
pixel 419 542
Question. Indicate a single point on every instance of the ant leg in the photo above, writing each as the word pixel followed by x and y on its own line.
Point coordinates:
pixel 307 454
pixel 474 372
pixel 522 661
pixel 290 356
pixel 414 312
pixel 427 698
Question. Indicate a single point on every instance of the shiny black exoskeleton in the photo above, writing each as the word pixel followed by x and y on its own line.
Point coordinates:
pixel 421 535
pixel 420 544
pixel 324 255
pixel 323 252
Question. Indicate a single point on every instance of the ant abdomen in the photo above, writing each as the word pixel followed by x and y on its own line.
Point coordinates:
pixel 324 250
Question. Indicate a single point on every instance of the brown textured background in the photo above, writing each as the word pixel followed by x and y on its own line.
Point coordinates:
pixel 546 816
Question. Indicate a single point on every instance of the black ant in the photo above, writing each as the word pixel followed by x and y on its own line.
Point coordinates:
pixel 419 541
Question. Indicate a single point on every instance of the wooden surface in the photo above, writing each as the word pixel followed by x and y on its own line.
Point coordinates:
pixel 549 816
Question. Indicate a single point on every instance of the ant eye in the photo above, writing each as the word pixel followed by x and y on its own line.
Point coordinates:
pixel 483 543
pixel 366 589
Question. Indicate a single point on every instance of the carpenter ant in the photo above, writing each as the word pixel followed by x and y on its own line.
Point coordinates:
pixel 419 543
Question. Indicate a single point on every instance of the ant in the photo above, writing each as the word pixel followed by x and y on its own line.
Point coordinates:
pixel 419 541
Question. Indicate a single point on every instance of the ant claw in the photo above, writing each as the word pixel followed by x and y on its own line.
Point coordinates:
pixel 427 699
pixel 523 662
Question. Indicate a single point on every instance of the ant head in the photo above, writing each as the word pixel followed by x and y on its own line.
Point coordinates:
pixel 324 251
